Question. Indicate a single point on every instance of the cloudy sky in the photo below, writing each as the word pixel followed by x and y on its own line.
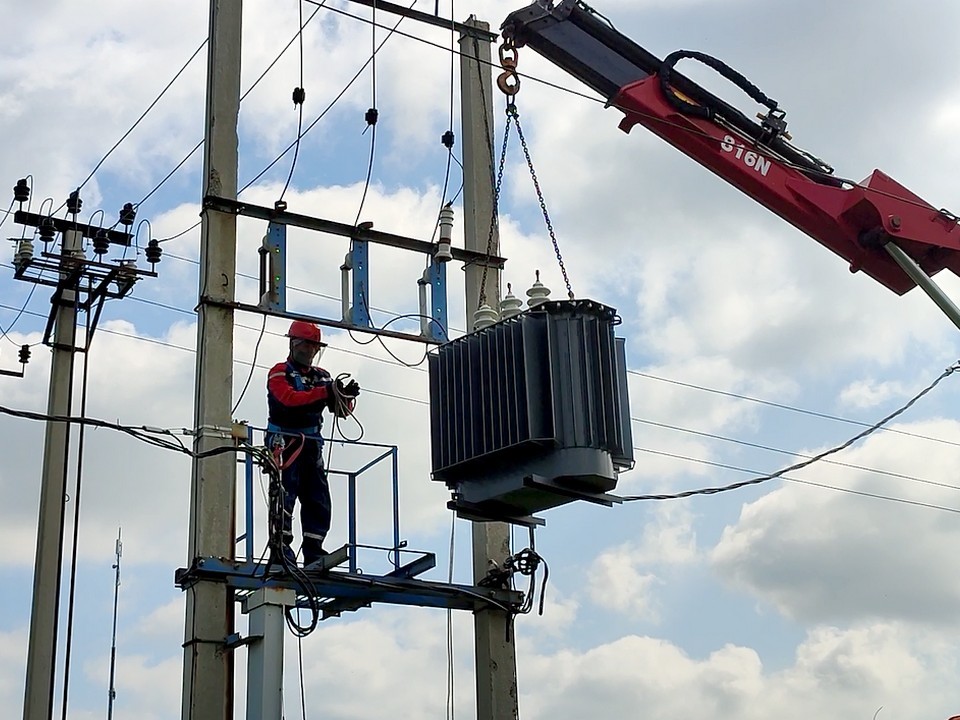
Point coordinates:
pixel 828 594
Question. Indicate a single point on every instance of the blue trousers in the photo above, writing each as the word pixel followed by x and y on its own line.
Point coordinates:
pixel 305 479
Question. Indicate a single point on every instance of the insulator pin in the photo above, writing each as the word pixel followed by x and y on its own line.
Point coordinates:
pixel 101 243
pixel 74 203
pixel 21 191
pixel 128 214
pixel 153 252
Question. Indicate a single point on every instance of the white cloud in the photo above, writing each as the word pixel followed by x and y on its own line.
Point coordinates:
pixel 616 583
pixel 713 291
pixel 820 555
pixel 869 393
pixel 837 673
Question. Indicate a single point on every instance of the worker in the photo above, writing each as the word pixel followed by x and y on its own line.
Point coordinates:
pixel 297 394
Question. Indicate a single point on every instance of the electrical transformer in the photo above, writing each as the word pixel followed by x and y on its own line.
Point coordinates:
pixel 531 412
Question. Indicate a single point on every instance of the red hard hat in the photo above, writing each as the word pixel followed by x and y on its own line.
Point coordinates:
pixel 304 330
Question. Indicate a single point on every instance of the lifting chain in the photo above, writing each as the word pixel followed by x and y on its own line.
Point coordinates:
pixel 493 216
pixel 509 83
pixel 512 112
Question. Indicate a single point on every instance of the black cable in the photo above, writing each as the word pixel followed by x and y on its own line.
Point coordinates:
pixel 850 491
pixel 303 696
pixel 180 234
pixel 781 406
pixel 9 328
pixel 607 103
pixel 450 659
pixel 143 433
pixel 299 95
pixel 253 366
pixel 797 466
pixel 166 177
pixel 76 529
pixel 334 101
pixel 242 98
pixel 372 114
pixel 7 213
pixel 377 337
pixel 366 182
pixel 781 451
pixel 143 115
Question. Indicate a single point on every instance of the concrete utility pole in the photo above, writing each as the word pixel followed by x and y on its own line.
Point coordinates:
pixel 42 644
pixel 207 665
pixel 495 652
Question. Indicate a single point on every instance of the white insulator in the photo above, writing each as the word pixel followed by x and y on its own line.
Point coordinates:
pixel 73 244
pixel 484 317
pixel 510 305
pixel 24 252
pixel 538 293
pixel 446 234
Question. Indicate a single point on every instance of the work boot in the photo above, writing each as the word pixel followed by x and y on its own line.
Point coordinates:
pixel 278 563
pixel 314 556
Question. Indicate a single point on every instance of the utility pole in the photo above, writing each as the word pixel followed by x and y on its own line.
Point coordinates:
pixel 42 643
pixel 207 664
pixel 495 652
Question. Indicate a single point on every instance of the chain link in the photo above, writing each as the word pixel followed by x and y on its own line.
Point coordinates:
pixel 512 113
pixel 509 84
pixel 494 215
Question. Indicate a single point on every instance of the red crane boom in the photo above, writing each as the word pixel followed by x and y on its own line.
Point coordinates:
pixel 858 221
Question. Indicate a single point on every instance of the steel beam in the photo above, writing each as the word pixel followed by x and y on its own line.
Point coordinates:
pixel 226 205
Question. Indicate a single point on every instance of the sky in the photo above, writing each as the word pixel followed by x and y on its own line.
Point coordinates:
pixel 750 347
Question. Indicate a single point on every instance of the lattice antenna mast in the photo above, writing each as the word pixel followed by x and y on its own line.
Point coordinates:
pixel 113 638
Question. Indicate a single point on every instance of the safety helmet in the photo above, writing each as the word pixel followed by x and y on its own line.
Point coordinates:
pixel 303 330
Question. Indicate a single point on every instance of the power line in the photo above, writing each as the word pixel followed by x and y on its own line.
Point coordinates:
pixel 660 120
pixel 329 107
pixel 797 466
pixel 787 478
pixel 237 361
pixel 144 114
pixel 782 406
pixel 781 451
pixel 299 96
pixel 242 98
pixel 305 291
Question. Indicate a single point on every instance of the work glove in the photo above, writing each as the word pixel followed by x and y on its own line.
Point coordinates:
pixel 351 389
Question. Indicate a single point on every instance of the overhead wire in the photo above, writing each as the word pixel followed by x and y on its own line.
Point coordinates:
pixel 372 115
pixel 783 406
pixel 253 365
pixel 607 103
pixel 7 213
pixel 75 544
pixel 851 491
pixel 781 451
pixel 451 705
pixel 330 106
pixel 143 114
pixel 809 461
pixel 705 491
pixel 243 97
pixel 299 96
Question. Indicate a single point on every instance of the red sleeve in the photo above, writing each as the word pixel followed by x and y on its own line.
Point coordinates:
pixel 286 394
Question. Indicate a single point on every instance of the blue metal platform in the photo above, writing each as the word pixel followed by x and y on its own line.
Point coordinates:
pixel 341 584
